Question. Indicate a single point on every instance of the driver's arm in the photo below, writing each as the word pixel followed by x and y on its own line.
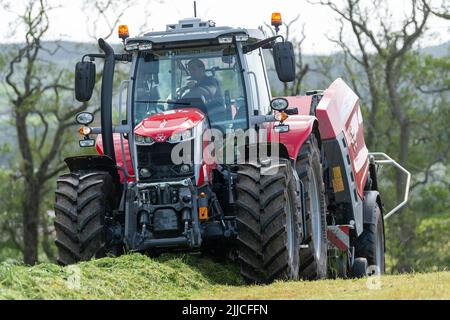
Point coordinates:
pixel 211 84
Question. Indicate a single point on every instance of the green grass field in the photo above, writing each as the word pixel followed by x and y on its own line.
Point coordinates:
pixel 194 277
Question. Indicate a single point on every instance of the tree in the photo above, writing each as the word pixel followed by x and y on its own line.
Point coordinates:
pixel 37 101
pixel 40 95
pixel 442 12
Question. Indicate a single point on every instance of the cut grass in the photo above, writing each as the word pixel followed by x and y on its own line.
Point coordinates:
pixel 136 276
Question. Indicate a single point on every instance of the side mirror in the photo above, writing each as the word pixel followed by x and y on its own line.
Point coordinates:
pixel 279 104
pixel 284 59
pixel 84 80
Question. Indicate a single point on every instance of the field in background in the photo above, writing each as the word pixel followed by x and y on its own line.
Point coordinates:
pixel 195 277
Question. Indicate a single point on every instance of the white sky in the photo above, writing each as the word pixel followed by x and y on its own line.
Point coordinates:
pixel 69 21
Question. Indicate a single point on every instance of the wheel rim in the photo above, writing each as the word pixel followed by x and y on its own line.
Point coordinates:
pixel 314 204
pixel 290 228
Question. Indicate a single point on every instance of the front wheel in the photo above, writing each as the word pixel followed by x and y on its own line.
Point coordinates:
pixel 83 201
pixel 313 256
pixel 268 222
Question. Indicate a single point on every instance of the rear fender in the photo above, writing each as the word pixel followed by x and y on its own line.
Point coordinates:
pixel 300 128
pixel 371 199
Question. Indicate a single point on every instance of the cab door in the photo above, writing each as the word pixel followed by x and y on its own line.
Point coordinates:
pixel 259 84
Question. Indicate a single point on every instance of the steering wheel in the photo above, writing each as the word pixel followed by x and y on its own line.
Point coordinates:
pixel 182 91
pixel 195 92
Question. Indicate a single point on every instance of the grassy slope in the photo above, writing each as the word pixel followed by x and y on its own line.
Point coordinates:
pixel 193 277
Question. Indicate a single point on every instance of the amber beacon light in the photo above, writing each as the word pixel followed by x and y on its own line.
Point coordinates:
pixel 276 20
pixel 123 32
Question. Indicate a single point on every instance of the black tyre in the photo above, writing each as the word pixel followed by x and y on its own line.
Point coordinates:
pixel 359 268
pixel 83 200
pixel 313 257
pixel 370 244
pixel 268 222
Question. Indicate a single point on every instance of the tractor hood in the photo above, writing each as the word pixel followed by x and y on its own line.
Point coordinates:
pixel 162 125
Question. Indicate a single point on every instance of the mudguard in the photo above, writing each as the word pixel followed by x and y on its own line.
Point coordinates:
pixel 300 128
pixel 371 198
pixel 93 162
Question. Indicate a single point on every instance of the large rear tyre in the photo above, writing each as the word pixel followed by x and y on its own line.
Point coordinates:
pixel 83 201
pixel 268 222
pixel 370 244
pixel 313 257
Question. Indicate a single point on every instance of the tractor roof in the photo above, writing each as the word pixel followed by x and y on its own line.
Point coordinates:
pixel 195 29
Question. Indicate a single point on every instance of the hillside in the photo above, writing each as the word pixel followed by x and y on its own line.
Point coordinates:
pixel 195 277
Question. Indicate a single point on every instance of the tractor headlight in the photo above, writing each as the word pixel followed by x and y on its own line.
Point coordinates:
pixel 84 118
pixel 180 136
pixel 143 140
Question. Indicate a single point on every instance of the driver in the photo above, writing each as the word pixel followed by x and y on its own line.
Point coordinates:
pixel 199 79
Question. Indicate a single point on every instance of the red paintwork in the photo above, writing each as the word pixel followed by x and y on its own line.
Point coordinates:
pixel 335 108
pixel 162 125
pixel 118 152
pixel 302 103
pixel 300 127
pixel 359 155
pixel 339 111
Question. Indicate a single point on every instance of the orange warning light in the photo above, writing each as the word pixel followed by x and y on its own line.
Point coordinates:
pixel 276 19
pixel 123 32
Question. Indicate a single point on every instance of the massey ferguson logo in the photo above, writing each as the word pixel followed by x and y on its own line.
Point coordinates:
pixel 160 138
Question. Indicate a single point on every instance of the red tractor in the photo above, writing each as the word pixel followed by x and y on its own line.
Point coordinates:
pixel 203 159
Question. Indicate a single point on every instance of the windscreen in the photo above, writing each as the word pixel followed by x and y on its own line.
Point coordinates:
pixel 206 78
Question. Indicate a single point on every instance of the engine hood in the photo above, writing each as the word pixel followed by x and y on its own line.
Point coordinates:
pixel 162 125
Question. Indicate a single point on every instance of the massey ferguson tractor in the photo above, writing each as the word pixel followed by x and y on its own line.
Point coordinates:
pixel 203 159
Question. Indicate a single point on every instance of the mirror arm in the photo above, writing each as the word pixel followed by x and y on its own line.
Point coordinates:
pixel 115 129
pixel 118 57
pixel 266 44
pixel 254 120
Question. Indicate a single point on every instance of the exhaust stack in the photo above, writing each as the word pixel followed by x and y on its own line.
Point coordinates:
pixel 106 99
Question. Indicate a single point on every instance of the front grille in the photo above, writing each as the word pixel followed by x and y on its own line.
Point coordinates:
pixel 157 159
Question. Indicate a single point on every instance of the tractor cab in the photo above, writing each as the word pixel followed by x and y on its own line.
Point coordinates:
pixel 194 64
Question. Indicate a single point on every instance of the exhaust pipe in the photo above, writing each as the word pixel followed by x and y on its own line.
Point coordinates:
pixel 106 99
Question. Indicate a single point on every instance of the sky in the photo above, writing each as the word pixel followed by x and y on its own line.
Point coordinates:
pixel 69 19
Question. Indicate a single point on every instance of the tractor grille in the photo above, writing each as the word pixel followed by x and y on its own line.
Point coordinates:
pixel 157 159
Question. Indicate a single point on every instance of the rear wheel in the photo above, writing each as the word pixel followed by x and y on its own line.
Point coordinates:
pixel 83 201
pixel 268 222
pixel 370 244
pixel 313 258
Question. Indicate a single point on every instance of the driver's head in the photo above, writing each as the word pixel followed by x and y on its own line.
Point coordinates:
pixel 196 69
